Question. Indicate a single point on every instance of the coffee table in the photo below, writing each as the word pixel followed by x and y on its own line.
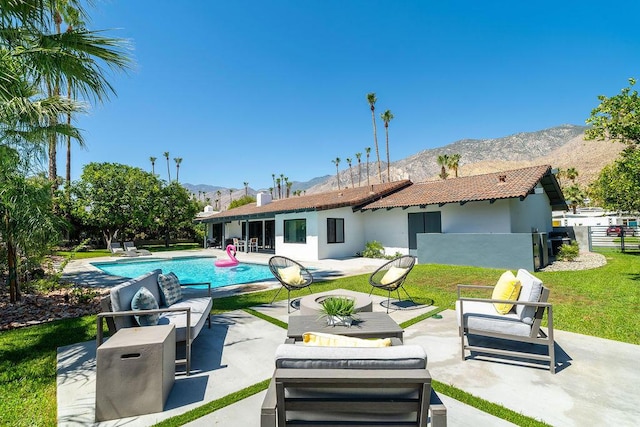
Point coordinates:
pixel 366 325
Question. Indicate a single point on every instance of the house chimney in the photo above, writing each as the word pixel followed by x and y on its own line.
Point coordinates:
pixel 502 178
pixel 263 199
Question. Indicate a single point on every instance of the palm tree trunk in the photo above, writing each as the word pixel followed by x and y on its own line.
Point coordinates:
pixel 386 131
pixel 375 140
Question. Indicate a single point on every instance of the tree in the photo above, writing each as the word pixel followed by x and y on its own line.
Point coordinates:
pixel 244 200
pixel 387 116
pixel 279 187
pixel 218 195
pixel 178 161
pixel 617 117
pixel 116 198
pixel 371 98
pixel 618 185
pixel 572 174
pixel 174 211
pixel 166 156
pixel 443 162
pixel 230 197
pixel 367 150
pixel 28 226
pixel 273 178
pixel 575 196
pixel 454 163
pixel 358 156
pixel 289 184
pixel 246 188
pixel 350 172
pixel 337 162
pixel 153 164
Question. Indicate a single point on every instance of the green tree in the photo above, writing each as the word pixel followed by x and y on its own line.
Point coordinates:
pixel 175 212
pixel 454 163
pixel 337 163
pixel 166 156
pixel 115 198
pixel 618 185
pixel 246 188
pixel 387 116
pixel 572 174
pixel 244 200
pixel 178 161
pixel 617 117
pixel 289 184
pixel 443 162
pixel 350 171
pixel 359 157
pixel 367 150
pixel 153 164
pixel 575 196
pixel 28 227
pixel 371 98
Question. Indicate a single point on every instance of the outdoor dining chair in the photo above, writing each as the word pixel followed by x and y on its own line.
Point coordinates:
pixel 391 276
pixel 291 275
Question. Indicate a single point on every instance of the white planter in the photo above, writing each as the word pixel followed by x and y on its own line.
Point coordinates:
pixel 339 321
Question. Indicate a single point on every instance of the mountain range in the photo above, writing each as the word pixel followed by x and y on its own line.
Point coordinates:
pixel 561 147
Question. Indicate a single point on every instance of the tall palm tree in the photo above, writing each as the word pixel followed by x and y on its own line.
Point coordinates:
pixel 273 178
pixel 153 164
pixel 166 156
pixel 230 196
pixel 279 187
pixel 443 162
pixel 350 172
pixel 454 163
pixel 572 174
pixel 386 117
pixel 371 98
pixel 337 162
pixel 246 188
pixel 367 150
pixel 289 184
pixel 358 156
pixel 178 160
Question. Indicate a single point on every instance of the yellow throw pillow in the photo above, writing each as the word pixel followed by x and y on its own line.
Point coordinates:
pixel 393 274
pixel 319 339
pixel 507 288
pixel 291 275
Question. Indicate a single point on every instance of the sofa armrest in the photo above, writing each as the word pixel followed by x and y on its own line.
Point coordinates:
pixel 112 314
pixel 461 287
pixel 500 301
pixel 438 411
pixel 268 409
pixel 199 283
pixel 333 377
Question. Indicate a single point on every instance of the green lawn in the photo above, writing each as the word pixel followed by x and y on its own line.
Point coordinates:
pixel 599 302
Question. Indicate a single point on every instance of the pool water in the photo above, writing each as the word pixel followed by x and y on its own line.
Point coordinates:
pixel 190 270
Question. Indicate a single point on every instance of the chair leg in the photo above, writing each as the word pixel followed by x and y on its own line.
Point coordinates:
pixel 388 301
pixel 276 295
pixel 288 300
pixel 405 291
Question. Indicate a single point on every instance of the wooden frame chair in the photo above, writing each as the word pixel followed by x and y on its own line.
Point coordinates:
pixel 277 265
pixel 391 276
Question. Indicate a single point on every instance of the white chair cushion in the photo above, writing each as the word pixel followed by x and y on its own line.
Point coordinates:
pixel 530 292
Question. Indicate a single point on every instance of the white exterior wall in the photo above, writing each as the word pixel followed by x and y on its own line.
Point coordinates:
pixel 353 234
pixel 232 229
pixel 389 227
pixel 476 217
pixel 298 251
pixel 534 212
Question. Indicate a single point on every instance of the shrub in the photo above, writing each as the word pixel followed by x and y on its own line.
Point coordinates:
pixel 569 252
pixel 373 249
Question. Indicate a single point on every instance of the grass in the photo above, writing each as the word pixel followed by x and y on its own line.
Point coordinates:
pixel 599 302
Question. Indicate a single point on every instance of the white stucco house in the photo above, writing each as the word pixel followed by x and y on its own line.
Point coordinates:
pixel 422 219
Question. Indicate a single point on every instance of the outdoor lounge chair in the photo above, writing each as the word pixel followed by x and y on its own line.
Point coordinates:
pixel 118 250
pixel 129 246
pixel 478 317
pixel 351 386
pixel 291 275
pixel 391 276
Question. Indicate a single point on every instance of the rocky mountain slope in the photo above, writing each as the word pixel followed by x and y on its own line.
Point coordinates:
pixel 561 147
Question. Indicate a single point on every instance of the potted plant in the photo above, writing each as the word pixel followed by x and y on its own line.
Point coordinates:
pixel 338 310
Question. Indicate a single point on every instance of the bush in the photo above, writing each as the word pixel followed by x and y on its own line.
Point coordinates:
pixel 568 252
pixel 373 249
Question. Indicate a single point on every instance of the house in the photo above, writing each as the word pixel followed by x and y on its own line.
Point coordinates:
pixel 493 220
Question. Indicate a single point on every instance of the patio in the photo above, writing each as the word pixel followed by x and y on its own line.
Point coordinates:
pixel 596 380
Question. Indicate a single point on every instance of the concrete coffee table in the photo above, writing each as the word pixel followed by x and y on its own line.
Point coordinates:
pixel 311 304
pixel 366 325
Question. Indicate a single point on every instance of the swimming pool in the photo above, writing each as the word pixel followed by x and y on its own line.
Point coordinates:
pixel 190 270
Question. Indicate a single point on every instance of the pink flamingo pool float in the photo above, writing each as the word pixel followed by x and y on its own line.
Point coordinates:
pixel 231 262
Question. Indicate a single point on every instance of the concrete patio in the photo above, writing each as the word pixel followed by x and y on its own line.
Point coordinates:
pixel 597 379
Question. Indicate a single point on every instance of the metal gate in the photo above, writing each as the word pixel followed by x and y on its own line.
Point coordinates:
pixel 625 238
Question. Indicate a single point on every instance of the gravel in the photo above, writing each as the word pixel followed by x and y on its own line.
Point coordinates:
pixel 584 261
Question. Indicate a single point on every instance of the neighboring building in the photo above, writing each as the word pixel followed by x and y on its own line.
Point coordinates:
pixel 496 220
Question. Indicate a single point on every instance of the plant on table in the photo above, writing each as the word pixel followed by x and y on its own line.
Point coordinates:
pixel 339 310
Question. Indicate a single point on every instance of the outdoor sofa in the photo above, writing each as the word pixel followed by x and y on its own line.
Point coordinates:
pixel 188 314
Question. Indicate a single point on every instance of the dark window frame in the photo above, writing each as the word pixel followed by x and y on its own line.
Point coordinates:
pixel 300 231
pixel 335 230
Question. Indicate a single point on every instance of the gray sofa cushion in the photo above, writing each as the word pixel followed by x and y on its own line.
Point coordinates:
pixel 122 295
pixel 483 316
pixel 200 308
pixel 394 357
pixel 530 292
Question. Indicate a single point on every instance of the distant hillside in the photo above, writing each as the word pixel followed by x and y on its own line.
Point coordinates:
pixel 561 147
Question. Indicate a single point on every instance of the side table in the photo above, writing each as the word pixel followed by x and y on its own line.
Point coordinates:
pixel 135 372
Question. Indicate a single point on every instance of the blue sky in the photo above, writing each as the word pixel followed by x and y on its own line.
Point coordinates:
pixel 246 88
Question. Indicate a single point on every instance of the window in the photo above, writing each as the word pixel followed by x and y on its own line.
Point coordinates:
pixel 295 231
pixel 335 230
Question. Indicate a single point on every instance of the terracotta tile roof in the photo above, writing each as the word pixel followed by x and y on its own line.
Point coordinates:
pixel 354 197
pixel 491 186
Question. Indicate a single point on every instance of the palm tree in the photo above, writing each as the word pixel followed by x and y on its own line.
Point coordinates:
pixel 443 162
pixel 273 177
pixel 454 163
pixel 289 184
pixel 246 188
pixel 368 151
pixel 358 156
pixel 282 183
pixel 278 186
pixel 218 194
pixel 350 172
pixel 371 98
pixel 230 196
pixel 166 156
pixel 153 164
pixel 572 174
pixel 337 162
pixel 575 196
pixel 386 117
pixel 178 160
pixel 271 190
